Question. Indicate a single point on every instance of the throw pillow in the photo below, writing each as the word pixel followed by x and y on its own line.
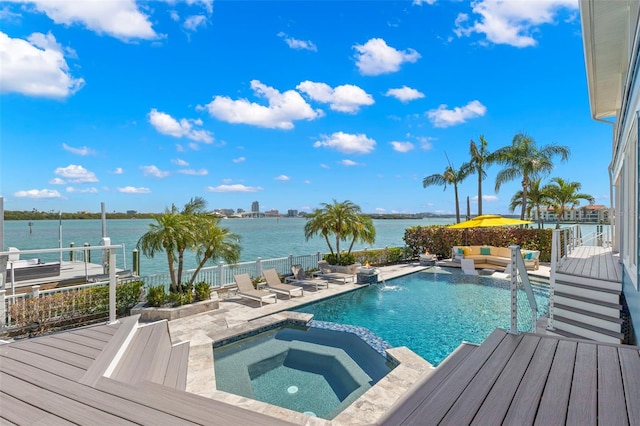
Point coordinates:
pixel 528 256
pixel 485 251
pixel 460 251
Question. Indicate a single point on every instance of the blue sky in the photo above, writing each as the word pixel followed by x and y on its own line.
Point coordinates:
pixel 290 103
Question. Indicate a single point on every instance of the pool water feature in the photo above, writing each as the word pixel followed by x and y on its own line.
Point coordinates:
pixel 429 312
pixel 310 370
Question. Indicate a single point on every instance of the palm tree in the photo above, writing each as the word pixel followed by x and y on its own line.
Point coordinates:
pixel 564 194
pixel 450 176
pixel 480 158
pixel 343 220
pixel 215 242
pixel 536 197
pixel 524 159
pixel 176 231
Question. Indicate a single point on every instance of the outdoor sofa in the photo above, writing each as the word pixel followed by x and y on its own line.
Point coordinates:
pixel 488 256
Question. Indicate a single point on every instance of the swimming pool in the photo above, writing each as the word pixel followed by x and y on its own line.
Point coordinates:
pixel 430 312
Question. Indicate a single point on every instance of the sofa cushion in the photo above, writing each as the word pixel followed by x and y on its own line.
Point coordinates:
pixel 501 252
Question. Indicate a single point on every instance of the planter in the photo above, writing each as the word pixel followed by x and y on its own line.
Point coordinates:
pixel 348 269
pixel 157 314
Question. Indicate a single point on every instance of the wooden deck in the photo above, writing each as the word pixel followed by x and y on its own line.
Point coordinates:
pixel 528 379
pixel 593 262
pixel 58 379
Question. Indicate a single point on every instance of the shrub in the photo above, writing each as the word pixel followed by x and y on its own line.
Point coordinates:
pixel 156 296
pixel 344 260
pixel 439 239
pixel 203 291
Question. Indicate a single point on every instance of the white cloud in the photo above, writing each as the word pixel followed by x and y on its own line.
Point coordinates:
pixel 347 143
pixel 57 181
pixel 405 94
pixel 325 166
pixel 168 125
pixel 180 162
pixel 120 19
pixel 443 117
pixel 192 172
pixel 154 171
pixel 425 142
pixel 421 2
pixel 380 209
pixel 402 146
pixel 375 57
pixel 307 182
pixel 282 177
pixel 134 190
pixel 38 193
pixel 82 151
pixel 36 67
pixel 76 174
pixel 298 44
pixel 239 160
pixel 118 171
pixel 283 110
pixel 345 98
pixel 510 22
pixel 192 23
pixel 234 188
pixel 489 198
pixel 348 163
pixel 73 190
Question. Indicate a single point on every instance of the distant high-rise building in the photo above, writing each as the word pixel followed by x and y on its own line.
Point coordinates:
pixel 240 211
pixel 292 213
pixel 255 207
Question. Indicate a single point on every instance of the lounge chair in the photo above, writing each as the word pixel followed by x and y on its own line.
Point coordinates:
pixel 326 273
pixel 300 278
pixel 274 284
pixel 468 266
pixel 246 290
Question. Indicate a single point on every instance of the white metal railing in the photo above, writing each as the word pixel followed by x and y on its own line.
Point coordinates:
pixel 520 281
pixel 109 263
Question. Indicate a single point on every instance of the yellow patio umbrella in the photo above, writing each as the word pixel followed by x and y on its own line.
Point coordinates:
pixel 487 220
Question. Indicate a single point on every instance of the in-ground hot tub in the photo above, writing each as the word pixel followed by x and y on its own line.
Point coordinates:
pixel 310 370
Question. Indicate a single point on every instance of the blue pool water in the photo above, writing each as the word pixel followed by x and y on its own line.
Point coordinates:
pixel 310 370
pixel 429 312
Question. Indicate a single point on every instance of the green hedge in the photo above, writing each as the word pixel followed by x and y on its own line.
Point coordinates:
pixel 438 240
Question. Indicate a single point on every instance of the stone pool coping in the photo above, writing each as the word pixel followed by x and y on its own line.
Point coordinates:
pixel 236 317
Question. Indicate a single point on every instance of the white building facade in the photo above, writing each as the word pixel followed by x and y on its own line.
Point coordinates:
pixel 611 44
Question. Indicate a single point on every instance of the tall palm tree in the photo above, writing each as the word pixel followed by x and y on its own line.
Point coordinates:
pixel 536 198
pixel 565 194
pixel 450 176
pixel 524 159
pixel 342 220
pixel 480 159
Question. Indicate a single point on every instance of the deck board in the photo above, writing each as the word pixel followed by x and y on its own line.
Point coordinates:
pixel 176 375
pixel 46 363
pixel 552 409
pixel 18 412
pixel 497 402
pixel 630 369
pixel 86 395
pixel 583 401
pixel 439 402
pixel 468 403
pixel 68 346
pixel 63 355
pixel 591 261
pixel 57 404
pixel 525 402
pixel 82 339
pixel 613 409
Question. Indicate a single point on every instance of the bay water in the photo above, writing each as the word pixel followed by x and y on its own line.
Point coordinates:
pixel 266 238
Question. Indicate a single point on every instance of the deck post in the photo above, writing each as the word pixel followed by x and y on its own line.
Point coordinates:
pixel 136 262
pixel 514 290
pixel 112 286
pixel 3 308
pixel 555 237
pixel 35 289
pixel 221 273
pixel 259 267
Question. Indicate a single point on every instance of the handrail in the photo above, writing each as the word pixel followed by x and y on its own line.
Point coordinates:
pixel 518 269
